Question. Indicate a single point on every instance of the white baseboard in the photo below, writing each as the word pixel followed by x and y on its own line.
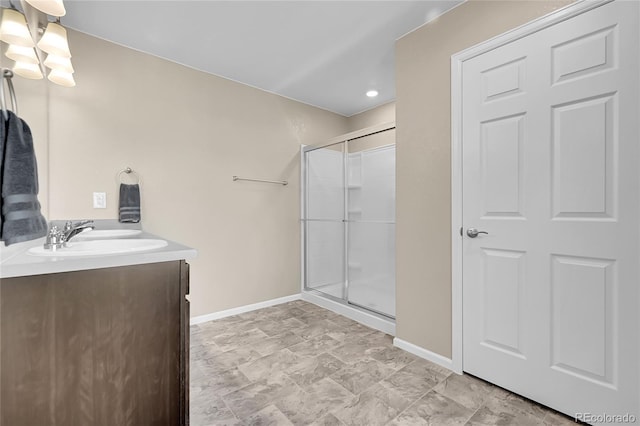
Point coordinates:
pixel 242 309
pixel 385 325
pixel 370 320
pixel 425 354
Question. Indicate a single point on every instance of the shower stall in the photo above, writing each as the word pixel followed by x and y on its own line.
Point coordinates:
pixel 349 226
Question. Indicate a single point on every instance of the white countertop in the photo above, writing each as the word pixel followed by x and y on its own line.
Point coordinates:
pixel 16 262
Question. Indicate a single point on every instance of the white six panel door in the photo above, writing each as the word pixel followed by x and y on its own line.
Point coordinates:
pixel 550 171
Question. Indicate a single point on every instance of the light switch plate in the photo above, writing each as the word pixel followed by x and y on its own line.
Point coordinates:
pixel 99 200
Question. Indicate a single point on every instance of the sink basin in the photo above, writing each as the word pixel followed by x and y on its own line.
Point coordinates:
pixel 101 247
pixel 106 233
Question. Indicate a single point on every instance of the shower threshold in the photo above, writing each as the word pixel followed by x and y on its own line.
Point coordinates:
pixel 362 315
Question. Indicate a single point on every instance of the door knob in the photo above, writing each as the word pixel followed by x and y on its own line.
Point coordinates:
pixel 473 232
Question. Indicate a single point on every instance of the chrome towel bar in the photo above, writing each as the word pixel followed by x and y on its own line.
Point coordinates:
pixel 278 182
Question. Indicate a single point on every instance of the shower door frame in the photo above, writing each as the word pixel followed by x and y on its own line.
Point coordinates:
pixel 342 139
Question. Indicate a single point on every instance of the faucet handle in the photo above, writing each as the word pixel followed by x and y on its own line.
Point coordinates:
pixel 53 231
pixel 55 239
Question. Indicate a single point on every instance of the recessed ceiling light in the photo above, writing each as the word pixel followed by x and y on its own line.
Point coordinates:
pixel 372 93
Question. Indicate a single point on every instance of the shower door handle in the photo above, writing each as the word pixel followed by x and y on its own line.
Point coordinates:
pixel 473 232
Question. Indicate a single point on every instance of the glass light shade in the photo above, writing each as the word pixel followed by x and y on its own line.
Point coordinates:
pixel 50 7
pixel 22 54
pixel 27 70
pixel 59 63
pixel 54 41
pixel 62 78
pixel 14 30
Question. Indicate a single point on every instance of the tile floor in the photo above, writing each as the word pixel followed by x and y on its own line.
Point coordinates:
pixel 300 364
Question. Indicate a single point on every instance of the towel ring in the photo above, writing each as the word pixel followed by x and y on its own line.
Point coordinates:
pixel 128 171
pixel 5 76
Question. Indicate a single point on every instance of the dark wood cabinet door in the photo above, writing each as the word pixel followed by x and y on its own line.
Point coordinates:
pixel 99 347
pixel 185 316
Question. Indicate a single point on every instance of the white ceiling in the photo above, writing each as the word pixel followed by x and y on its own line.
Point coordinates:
pixel 323 53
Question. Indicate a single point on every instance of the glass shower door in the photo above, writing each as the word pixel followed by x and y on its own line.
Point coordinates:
pixel 371 222
pixel 324 224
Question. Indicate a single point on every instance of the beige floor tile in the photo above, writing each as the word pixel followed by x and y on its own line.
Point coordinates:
pixel 315 346
pixel 268 416
pixel 465 390
pixel 300 364
pixel 523 404
pixel 274 344
pixel 315 402
pixel 252 398
pixel 415 379
pixel 375 406
pixel 313 369
pixel 356 349
pixel 270 365
pixel 328 420
pixel 391 356
pixel 221 383
pixel 317 328
pixel 205 411
pixel 278 327
pixel 434 409
pixel 498 411
pixel 360 376
pixel 232 339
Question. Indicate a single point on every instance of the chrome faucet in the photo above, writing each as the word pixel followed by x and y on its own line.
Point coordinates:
pixel 72 229
pixel 57 238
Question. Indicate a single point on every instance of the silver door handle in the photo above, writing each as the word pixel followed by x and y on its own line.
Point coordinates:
pixel 473 232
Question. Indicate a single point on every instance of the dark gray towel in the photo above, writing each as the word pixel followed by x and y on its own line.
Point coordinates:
pixel 129 203
pixel 20 217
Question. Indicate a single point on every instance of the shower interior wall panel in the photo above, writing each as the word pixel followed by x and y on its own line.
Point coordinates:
pixel 372 229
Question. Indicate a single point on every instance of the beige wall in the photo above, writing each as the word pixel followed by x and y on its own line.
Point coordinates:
pixel 423 119
pixel 187 133
pixel 381 114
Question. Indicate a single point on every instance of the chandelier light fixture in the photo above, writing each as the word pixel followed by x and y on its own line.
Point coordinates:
pixel 14 30
pixel 50 7
pixel 60 63
pixel 54 40
pixel 22 54
pixel 29 41
pixel 27 70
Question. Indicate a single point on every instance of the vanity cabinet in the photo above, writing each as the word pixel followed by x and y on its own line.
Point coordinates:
pixel 96 347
